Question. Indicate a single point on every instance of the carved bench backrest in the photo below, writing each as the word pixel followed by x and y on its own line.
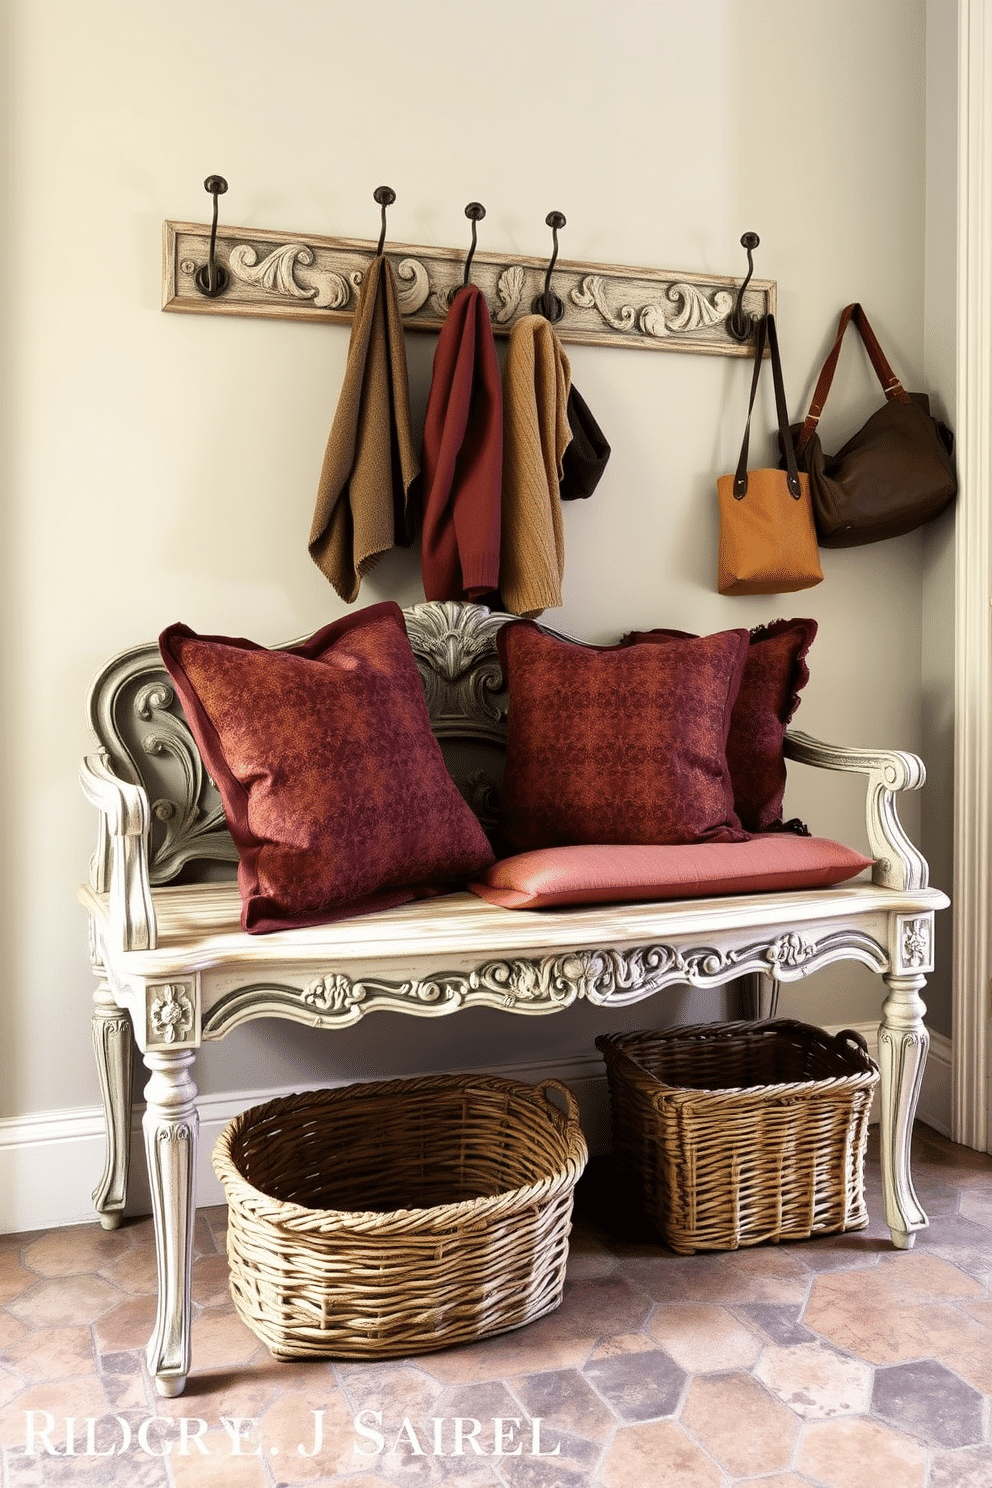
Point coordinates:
pixel 138 720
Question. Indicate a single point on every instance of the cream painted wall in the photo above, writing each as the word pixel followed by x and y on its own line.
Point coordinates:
pixel 163 467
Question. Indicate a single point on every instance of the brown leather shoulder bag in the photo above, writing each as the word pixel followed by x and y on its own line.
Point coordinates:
pixel 894 474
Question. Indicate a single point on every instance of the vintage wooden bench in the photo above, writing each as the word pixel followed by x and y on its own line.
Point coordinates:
pixel 174 968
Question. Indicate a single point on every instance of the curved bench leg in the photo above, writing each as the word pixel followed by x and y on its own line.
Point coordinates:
pixel 902 1053
pixel 171 1124
pixel 760 995
pixel 113 1047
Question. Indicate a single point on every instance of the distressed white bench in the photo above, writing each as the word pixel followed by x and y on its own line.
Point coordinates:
pixel 174 968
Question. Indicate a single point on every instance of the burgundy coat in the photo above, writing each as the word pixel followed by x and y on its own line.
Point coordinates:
pixel 462 456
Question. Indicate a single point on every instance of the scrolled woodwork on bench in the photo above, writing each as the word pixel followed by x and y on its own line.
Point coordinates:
pixel 174 968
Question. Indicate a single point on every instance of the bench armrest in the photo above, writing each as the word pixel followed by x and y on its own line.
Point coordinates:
pixel 898 863
pixel 119 867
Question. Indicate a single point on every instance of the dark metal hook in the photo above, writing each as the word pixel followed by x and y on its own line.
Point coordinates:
pixel 211 278
pixel 548 304
pixel 385 196
pixel 475 212
pixel 740 325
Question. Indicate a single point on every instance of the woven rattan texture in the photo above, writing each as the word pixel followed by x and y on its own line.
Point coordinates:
pixel 394 1218
pixel 738 1133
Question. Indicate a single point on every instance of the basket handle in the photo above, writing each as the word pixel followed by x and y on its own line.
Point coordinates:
pixel 852 1036
pixel 571 1112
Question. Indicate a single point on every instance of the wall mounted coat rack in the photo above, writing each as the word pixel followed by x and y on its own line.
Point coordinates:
pixel 287 276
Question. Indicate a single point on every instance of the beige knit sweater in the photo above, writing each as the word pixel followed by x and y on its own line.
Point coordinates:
pixel 536 380
pixel 371 460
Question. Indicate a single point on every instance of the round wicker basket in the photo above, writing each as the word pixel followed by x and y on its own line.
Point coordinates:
pixel 399 1217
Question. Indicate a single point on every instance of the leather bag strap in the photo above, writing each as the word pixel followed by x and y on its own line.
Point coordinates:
pixel 891 386
pixel 766 331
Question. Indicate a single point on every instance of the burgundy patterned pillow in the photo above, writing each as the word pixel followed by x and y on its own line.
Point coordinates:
pixel 774 675
pixel 335 789
pixel 618 743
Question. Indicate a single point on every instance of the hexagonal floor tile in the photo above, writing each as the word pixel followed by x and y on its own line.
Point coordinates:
pixel 639 1387
pixel 926 1399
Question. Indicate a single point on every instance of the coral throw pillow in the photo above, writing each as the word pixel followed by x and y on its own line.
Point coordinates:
pixel 555 876
pixel 774 675
pixel 618 743
pixel 335 789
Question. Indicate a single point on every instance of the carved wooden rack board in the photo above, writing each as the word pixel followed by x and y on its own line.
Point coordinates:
pixel 290 277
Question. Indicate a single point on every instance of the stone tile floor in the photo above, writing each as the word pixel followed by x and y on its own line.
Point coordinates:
pixel 834 1362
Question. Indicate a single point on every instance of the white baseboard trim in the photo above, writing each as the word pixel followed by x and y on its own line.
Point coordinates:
pixel 50 1162
pixel 935 1107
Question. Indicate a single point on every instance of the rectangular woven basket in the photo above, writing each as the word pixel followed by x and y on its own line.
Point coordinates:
pixel 393 1218
pixel 738 1133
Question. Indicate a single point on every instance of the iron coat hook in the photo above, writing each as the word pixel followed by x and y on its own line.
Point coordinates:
pixel 548 303
pixel 475 212
pixel 739 324
pixel 211 278
pixel 385 196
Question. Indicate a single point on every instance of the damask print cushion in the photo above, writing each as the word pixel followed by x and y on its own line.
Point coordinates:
pixel 555 876
pixel 774 675
pixel 618 744
pixel 335 789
